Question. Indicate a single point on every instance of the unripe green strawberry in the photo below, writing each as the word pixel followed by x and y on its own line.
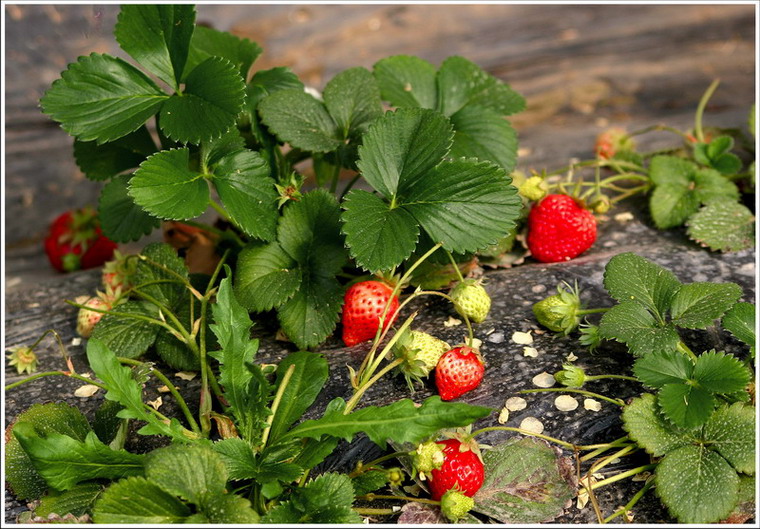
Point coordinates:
pixel 559 313
pixel 427 457
pixel 571 376
pixel 420 352
pixel 471 300
pixel 534 188
pixel 455 505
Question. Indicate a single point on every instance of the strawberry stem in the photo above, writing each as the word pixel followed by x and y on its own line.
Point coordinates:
pixel 372 496
pixel 634 500
pixel 622 475
pixel 579 391
pixel 698 131
pixel 456 266
pixel 276 403
pixel 362 468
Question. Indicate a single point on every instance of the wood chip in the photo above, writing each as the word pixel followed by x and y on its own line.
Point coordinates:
pixel 592 404
pixel 544 380
pixel 531 352
pixel 522 338
pixel 452 322
pixel 76 341
pixel 516 404
pixel 163 389
pixel 531 424
pixel 155 404
pixel 503 416
pixel 571 357
pixel 565 403
pixel 185 375
pixel 88 390
pixel 624 217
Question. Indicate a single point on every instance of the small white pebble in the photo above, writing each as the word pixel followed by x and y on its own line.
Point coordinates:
pixel 532 424
pixel 537 289
pixel 452 322
pixel 496 337
pixel 571 357
pixel 503 416
pixel 163 389
pixel 624 217
pixel 88 390
pixel 592 404
pixel 565 403
pixel 544 380
pixel 184 375
pixel 516 404
pixel 522 338
pixel 155 404
pixel 530 351
pixel 76 341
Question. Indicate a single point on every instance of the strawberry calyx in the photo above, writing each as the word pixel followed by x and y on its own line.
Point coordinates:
pixel 23 358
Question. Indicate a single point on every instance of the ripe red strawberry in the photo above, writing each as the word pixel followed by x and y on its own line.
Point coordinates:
pixel 458 371
pixel 75 241
pixel 462 469
pixel 560 229
pixel 363 304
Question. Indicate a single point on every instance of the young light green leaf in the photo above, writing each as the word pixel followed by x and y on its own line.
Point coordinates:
pixel 712 485
pixel 209 105
pixel 406 81
pixel 102 98
pixel 481 133
pixel 160 273
pixel 645 425
pixel 101 162
pixel 629 277
pixel 731 432
pixel 188 471
pixel 64 461
pixel 686 405
pixel 77 500
pixel 721 373
pixel 740 321
pixel 167 188
pixel 157 37
pixel 247 192
pixel 125 331
pixel 353 100
pixel 209 42
pixel 308 374
pixel 632 324
pixel 327 499
pixel 723 225
pixel 299 119
pixel 698 305
pixel 266 277
pixel 120 218
pixel 135 501
pixel 401 421
pixel 659 368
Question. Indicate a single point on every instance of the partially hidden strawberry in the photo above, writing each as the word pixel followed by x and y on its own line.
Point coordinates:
pixel 462 469
pixel 420 352
pixel 119 272
pixel 613 141
pixel 363 305
pixel 559 229
pixel 471 300
pixel 76 242
pixel 105 301
pixel 458 371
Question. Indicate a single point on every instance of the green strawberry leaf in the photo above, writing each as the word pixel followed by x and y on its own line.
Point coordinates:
pixel 157 37
pixel 723 225
pixel 135 501
pixel 352 99
pixel 247 192
pixel 209 42
pixel 228 143
pixel 125 332
pixel 717 155
pixel 327 499
pixel 659 368
pixel 629 277
pixel 102 98
pixel 243 463
pixel 245 388
pixel 104 161
pixel 731 432
pixel 167 188
pixel 686 405
pixel 369 482
pixel 189 471
pixel 266 277
pixel 161 273
pixel 263 83
pixel 120 218
pixel 78 500
pixel 721 373
pixel 740 321
pixel 222 508
pixel 670 205
pixel 209 105
pixel 400 422
pixel 481 133
pixel 712 485
pixel 406 81
pixel 698 305
pixel 645 425
pixel 630 323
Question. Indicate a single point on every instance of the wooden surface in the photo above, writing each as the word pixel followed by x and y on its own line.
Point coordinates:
pixel 581 69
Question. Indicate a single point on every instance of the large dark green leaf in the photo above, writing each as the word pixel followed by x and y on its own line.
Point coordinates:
pixel 136 500
pixel 209 42
pixel 101 162
pixel 629 322
pixel 125 332
pixel 120 218
pixel 629 277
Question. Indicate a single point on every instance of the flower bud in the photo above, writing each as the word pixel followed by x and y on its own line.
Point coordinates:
pixel 534 188
pixel 571 376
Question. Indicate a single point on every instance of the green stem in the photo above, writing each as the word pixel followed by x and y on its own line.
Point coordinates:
pixel 572 390
pixel 276 403
pixel 634 500
pixel 335 178
pixel 172 390
pixel 470 333
pixel 215 231
pixel 368 511
pixel 372 497
pixel 629 193
pixel 456 266
pixel 147 319
pixel 365 468
pixel 351 404
pixel 35 376
pixel 683 348
pixel 591 311
pixel 622 475
pixel 565 444
pixel 349 186
pixel 700 135
pixel 596 467
pixel 621 377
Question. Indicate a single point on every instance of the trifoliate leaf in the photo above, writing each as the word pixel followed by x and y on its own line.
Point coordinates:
pixel 243 463
pixel 209 42
pixel 102 98
pixel 659 368
pixel 160 273
pixel 101 162
pixel 629 322
pixel 721 373
pixel 167 188
pixel 698 305
pixel 301 120
pixel 209 105
pixel 645 425
pixel 671 204
pixel 401 421
pixel 696 484
pixel 219 508
pixel 63 461
pixel 482 133
pixel 77 500
pixel 125 331
pixel 266 277
pixel 312 313
pixel 120 218
pixel 189 471
pixel 406 81
pixel 327 499
pixel 247 192
pixel 686 405
pixel 157 37
pixel 353 100
pixel 740 321
pixel 263 83
pixel 230 142
pixel 731 432
pixel 629 277
pixel 717 155
pixel 723 225
pixel 135 501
